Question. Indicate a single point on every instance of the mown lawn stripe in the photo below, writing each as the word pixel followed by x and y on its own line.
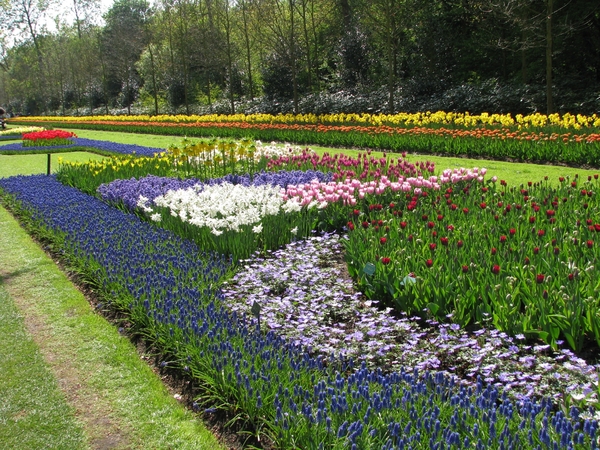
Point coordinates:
pixel 117 397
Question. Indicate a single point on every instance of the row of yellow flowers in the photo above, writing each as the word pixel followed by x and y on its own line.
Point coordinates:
pixel 566 121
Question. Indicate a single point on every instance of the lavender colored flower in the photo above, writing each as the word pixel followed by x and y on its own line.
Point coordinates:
pixel 128 192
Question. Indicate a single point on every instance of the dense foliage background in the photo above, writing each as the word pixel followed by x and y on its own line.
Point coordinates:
pixel 321 56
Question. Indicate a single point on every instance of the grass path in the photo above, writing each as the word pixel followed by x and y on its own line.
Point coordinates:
pixel 35 164
pixel 69 380
pixel 34 412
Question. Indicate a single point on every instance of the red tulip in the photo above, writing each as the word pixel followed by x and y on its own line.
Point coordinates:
pixel 540 278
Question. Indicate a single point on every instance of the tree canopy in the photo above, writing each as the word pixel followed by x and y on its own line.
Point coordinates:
pixel 186 56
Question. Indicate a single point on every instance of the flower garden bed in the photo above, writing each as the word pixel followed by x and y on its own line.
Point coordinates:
pixel 48 138
pixel 76 144
pixel 282 337
pixel 531 138
pixel 10 137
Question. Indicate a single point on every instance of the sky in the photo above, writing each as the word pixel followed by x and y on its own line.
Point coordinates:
pixel 64 11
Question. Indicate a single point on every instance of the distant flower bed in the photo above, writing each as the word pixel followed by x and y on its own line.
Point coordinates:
pixel 576 144
pixel 106 146
pixel 18 131
pixel 418 119
pixel 47 138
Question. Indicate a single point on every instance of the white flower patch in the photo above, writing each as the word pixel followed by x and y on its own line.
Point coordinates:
pixel 223 207
pixel 274 151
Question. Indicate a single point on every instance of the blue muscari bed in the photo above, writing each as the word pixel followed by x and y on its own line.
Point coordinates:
pixel 114 147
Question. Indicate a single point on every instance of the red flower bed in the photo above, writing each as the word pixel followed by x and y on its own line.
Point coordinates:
pixel 47 138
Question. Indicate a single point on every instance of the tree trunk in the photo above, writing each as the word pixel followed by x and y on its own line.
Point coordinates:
pixel 293 57
pixel 307 40
pixel 346 14
pixel 248 54
pixel 229 57
pixel 391 74
pixel 549 99
pixel 155 93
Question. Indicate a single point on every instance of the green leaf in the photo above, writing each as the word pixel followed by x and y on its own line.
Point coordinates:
pixel 433 307
pixel 570 339
pixel 543 335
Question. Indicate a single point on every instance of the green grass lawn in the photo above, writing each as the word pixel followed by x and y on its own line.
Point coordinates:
pixel 69 379
pixel 11 165
pixel 34 412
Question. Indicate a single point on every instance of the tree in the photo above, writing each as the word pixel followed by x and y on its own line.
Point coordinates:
pixel 279 35
pixel 123 41
pixel 388 20
pixel 226 24
pixel 84 11
pixel 245 28
pixel 23 21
